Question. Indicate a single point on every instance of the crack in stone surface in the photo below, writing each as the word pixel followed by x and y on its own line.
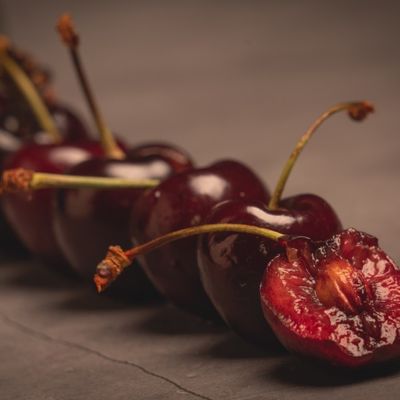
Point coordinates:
pixel 44 336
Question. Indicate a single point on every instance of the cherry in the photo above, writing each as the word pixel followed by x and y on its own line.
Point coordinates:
pixel 30 155
pixel 185 200
pixel 231 265
pixel 104 215
pixel 31 218
pixel 337 300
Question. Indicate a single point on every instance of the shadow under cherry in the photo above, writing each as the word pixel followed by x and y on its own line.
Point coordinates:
pixel 295 371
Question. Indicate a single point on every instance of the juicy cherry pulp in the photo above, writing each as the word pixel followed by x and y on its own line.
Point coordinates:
pixel 338 300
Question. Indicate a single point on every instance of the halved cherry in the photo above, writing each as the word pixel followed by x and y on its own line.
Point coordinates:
pixel 338 300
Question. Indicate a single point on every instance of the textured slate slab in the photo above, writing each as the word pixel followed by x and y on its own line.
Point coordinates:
pixel 59 340
pixel 223 79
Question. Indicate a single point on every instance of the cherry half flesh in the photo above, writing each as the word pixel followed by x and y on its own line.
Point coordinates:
pixel 337 301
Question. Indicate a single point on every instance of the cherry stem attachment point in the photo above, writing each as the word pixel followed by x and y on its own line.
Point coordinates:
pixel 22 180
pixel 70 38
pixel 117 259
pixel 357 110
pixel 28 91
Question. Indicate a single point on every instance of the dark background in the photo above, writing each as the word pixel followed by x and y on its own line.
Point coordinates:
pixel 240 79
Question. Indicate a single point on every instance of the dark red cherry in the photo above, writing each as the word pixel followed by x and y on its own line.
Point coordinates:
pixel 175 156
pixel 104 215
pixel 338 300
pixel 185 200
pixel 24 94
pixel 231 265
pixel 31 217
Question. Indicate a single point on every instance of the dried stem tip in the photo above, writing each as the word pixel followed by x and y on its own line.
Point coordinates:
pixel 17 181
pixel 67 31
pixel 359 111
pixel 111 267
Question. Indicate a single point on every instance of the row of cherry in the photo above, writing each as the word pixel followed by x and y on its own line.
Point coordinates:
pixel 269 267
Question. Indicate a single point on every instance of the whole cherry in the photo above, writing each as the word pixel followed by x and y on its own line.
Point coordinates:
pixel 31 218
pixel 231 265
pixel 186 200
pixel 54 157
pixel 103 215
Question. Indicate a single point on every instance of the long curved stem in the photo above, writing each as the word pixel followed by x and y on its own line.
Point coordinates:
pixel 198 230
pixel 117 259
pixel 23 180
pixel 357 110
pixel 71 40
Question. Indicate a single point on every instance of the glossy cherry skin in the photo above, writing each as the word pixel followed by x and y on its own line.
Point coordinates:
pixel 232 265
pixel 31 218
pixel 337 301
pixel 181 201
pixel 16 130
pixel 178 158
pixel 87 221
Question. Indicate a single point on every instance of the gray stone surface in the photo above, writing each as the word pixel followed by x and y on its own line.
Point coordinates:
pixel 222 79
pixel 59 340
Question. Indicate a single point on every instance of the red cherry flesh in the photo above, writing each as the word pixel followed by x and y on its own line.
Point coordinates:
pixel 337 301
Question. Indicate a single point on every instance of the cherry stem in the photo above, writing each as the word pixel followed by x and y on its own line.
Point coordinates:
pixel 117 259
pixel 357 111
pixel 22 180
pixel 29 91
pixel 71 40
